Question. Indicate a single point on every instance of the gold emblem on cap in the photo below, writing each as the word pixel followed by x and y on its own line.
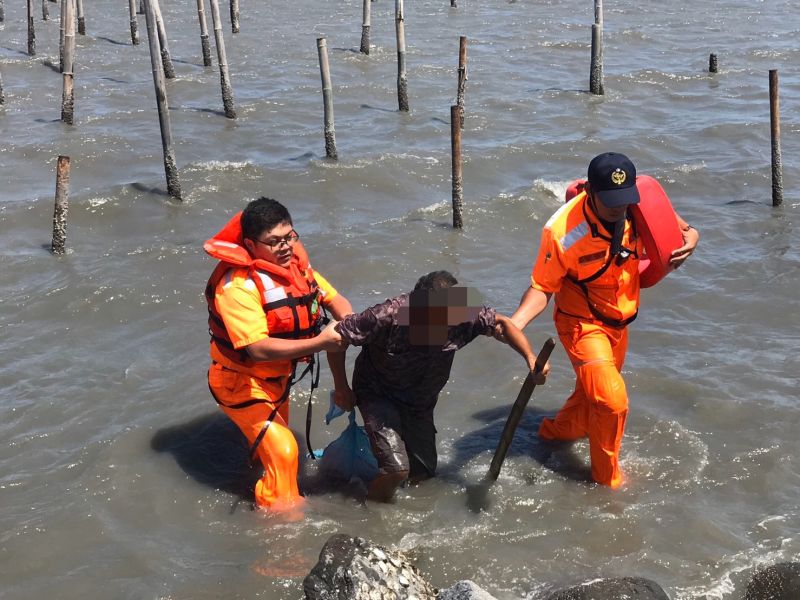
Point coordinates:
pixel 618 176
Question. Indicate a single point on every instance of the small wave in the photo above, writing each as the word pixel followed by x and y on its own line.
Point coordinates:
pixel 219 165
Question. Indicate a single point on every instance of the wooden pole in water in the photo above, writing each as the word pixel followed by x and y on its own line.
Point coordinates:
pixel 224 77
pixel 2 95
pixel 2 12
pixel 204 43
pixel 141 7
pixel 596 74
pixel 365 25
pixel 235 16
pixel 62 204
pixel 81 18
pixel 45 10
pixel 166 58
pixel 170 166
pixel 462 77
pixel 134 23
pixel 458 189
pixel 775 134
pixel 68 75
pixel 402 81
pixel 453 4
pixel 31 31
pixel 62 33
pixel 712 63
pixel 327 97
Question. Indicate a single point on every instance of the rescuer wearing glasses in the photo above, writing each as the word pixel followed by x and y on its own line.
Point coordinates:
pixel 265 306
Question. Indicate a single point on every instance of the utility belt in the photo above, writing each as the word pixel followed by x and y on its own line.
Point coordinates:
pixel 604 321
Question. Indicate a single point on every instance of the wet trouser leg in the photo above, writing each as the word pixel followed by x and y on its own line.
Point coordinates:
pixel 598 407
pixel 277 452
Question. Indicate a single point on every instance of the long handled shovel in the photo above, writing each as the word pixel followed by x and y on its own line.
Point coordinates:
pixel 477 495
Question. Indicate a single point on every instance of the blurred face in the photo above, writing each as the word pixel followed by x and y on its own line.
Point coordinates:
pixel 604 212
pixel 275 245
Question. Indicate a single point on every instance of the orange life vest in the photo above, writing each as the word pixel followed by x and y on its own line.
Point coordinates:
pixel 290 296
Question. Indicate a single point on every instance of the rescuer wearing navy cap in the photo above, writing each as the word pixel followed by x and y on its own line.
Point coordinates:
pixel 589 258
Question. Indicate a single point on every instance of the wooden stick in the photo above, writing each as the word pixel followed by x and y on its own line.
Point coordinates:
pixel 134 23
pixel 2 12
pixel 458 190
pixel 45 11
pixel 518 409
pixel 775 135
pixel 596 74
pixel 224 77
pixel 68 76
pixel 402 81
pixel 327 97
pixel 462 77
pixel 170 166
pixel 31 31
pixel 62 33
pixel 712 63
pixel 81 18
pixel 204 43
pixel 163 43
pixel 235 16
pixel 141 7
pixel 453 4
pixel 365 25
pixel 61 206
pixel 2 95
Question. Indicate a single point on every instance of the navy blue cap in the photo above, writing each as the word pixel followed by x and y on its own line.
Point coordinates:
pixel 612 177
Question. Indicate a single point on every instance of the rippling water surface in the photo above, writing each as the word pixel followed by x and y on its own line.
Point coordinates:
pixel 118 476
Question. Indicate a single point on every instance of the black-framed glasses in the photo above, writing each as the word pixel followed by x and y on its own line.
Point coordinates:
pixel 276 242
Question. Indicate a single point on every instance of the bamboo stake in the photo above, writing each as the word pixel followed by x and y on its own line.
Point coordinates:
pixel 81 18
pixel 458 189
pixel 225 81
pixel 163 43
pixel 201 15
pixel 235 16
pixel 61 206
pixel 402 81
pixel 775 135
pixel 141 7
pixel 365 25
pixel 2 95
pixel 596 74
pixel 134 23
pixel 62 32
pixel 45 11
pixel 713 65
pixel 453 4
pixel 462 77
pixel 2 12
pixel 31 31
pixel 68 76
pixel 170 166
pixel 327 97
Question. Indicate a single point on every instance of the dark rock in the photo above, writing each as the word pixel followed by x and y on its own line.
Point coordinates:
pixel 776 582
pixel 465 590
pixel 621 588
pixel 354 569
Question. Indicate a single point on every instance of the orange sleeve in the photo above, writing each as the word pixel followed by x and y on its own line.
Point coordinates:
pixel 239 305
pixel 326 289
pixel 550 268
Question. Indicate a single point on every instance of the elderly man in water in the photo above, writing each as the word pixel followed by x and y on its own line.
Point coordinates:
pixel 408 345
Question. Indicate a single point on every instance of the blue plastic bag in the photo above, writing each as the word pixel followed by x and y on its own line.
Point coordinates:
pixel 350 454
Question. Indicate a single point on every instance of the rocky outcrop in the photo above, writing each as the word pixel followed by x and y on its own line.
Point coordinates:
pixel 634 588
pixel 352 568
pixel 465 590
pixel 776 582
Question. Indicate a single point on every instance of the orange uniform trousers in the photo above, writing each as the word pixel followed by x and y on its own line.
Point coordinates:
pixel 598 407
pixel 278 453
